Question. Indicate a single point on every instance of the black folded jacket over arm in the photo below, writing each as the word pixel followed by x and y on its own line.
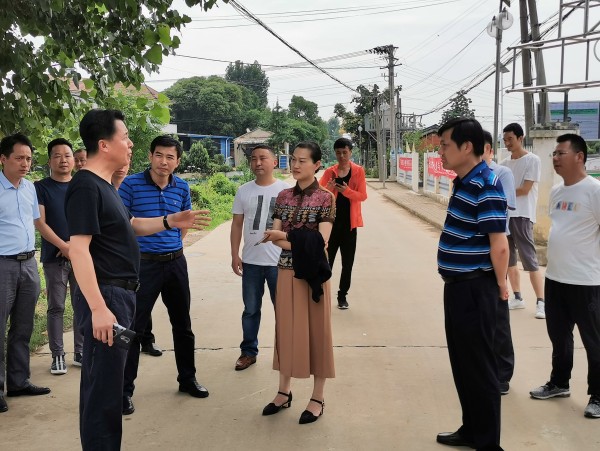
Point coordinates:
pixel 309 259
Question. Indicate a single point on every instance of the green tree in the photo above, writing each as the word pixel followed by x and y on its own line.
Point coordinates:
pixel 211 106
pixel 250 76
pixel 47 44
pixel 196 160
pixel 459 107
pixel 300 108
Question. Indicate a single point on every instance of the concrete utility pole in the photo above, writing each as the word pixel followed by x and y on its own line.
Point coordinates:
pixel 393 129
pixel 539 63
pixel 526 61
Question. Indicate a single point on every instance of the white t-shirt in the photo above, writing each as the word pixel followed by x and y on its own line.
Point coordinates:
pixel 574 241
pixel 256 203
pixel 528 167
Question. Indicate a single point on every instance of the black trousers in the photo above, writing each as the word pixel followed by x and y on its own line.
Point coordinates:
pixel 344 239
pixel 101 387
pixel 470 320
pixel 567 305
pixel 147 337
pixel 503 345
pixel 170 280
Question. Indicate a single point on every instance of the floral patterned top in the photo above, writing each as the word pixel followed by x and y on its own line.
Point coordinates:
pixel 297 208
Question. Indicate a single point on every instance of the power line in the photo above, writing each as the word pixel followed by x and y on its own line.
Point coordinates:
pixel 242 10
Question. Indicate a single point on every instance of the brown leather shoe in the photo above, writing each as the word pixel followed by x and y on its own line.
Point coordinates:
pixel 244 362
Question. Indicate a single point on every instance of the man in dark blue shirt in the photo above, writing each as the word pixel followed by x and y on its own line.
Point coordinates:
pixel 473 262
pixel 163 270
pixel 53 227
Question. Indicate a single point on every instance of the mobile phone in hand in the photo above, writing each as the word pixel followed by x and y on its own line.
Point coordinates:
pixel 339 181
pixel 122 337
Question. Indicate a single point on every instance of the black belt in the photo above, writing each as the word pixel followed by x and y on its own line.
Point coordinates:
pixel 162 257
pixel 468 276
pixel 22 256
pixel 132 285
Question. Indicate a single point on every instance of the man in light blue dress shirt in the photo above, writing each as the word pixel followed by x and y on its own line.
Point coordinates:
pixel 19 278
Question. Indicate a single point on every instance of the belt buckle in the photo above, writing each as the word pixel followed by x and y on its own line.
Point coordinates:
pixel 21 257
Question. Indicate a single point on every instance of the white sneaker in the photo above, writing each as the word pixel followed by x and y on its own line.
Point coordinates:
pixel 540 310
pixel 514 303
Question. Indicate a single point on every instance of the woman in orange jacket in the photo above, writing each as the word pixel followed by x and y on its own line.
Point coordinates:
pixel 346 180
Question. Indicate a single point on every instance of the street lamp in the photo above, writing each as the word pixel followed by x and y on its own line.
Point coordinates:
pixel 360 129
pixel 503 21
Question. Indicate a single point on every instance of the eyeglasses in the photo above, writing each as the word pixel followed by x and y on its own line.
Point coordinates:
pixel 558 154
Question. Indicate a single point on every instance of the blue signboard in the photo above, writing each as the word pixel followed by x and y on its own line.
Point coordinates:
pixel 283 161
pixel 586 114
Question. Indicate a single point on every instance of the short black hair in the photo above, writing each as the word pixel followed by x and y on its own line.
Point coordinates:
pixel 315 150
pixel 515 128
pixel 96 125
pixel 263 146
pixel 576 142
pixel 487 138
pixel 80 150
pixel 464 130
pixel 166 141
pixel 8 143
pixel 340 143
pixel 58 142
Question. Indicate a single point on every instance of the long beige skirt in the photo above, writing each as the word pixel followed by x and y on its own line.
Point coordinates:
pixel 303 340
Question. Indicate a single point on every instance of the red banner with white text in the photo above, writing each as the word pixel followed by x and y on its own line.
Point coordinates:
pixel 405 164
pixel 435 168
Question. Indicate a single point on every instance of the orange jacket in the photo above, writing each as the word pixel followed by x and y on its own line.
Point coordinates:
pixel 356 191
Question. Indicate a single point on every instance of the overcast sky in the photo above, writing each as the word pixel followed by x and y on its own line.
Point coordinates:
pixel 442 46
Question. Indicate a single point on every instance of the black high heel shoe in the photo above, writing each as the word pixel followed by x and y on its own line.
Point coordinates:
pixel 308 417
pixel 272 408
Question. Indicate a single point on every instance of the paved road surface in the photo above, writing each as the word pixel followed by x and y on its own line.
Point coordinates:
pixel 393 390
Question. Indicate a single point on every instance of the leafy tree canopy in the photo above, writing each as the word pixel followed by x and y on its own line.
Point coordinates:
pixel 250 76
pixel 459 107
pixel 300 123
pixel 46 44
pixel 212 106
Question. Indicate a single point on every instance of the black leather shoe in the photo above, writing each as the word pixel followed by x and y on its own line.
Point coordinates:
pixel 30 390
pixel 193 388
pixel 453 439
pixel 152 349
pixel 128 407
pixel 3 405
pixel 272 408
pixel 308 417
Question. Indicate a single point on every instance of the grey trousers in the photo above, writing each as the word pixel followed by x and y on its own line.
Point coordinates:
pixel 19 291
pixel 57 275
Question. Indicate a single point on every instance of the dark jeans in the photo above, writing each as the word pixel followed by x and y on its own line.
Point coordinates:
pixel 567 305
pixel 344 239
pixel 100 398
pixel 503 345
pixel 470 320
pixel 253 289
pixel 170 280
pixel 147 337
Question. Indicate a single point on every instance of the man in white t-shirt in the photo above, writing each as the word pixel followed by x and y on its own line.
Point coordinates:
pixel 526 168
pixel 573 272
pixel 252 213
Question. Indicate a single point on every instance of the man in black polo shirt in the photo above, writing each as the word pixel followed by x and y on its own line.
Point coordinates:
pixel 473 261
pixel 105 257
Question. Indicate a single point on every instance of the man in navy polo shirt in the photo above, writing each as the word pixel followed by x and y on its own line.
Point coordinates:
pixel 473 262
pixel 19 278
pixel 163 270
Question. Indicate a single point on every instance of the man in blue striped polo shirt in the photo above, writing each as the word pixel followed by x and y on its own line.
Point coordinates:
pixel 473 262
pixel 163 267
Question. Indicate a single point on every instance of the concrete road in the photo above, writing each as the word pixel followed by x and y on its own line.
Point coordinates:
pixel 393 389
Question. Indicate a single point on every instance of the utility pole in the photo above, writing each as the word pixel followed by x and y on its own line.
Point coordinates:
pixel 539 63
pixel 387 52
pixel 526 61
pixel 393 129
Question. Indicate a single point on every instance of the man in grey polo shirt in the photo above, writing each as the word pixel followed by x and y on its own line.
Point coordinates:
pixel 19 278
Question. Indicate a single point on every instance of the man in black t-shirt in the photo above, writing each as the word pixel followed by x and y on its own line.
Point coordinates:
pixel 52 225
pixel 106 259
